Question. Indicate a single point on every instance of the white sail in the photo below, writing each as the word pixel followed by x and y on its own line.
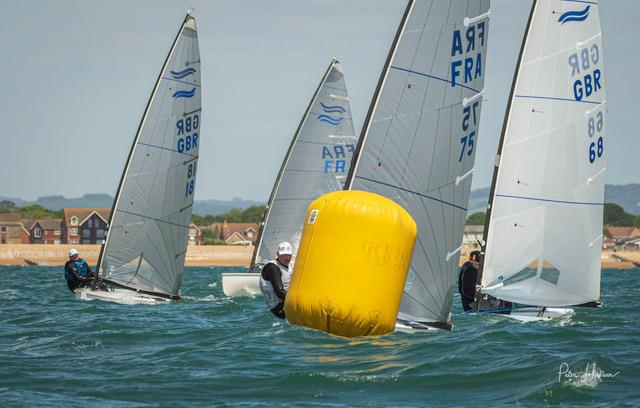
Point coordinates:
pixel 148 231
pixel 317 162
pixel 545 227
pixel 418 141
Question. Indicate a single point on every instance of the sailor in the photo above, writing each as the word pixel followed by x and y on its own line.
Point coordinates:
pixel 467 280
pixel 77 272
pixel 274 279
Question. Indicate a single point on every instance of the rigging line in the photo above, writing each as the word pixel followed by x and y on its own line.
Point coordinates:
pixel 420 239
pixel 431 269
pixel 411 191
pixel 182 82
pixel 548 200
pixel 435 239
pixel 162 259
pixel 193 111
pixel 553 98
pixel 165 148
pixel 154 219
pixel 428 309
pixel 434 77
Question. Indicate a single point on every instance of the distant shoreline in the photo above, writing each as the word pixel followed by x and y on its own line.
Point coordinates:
pixel 200 255
pixel 57 255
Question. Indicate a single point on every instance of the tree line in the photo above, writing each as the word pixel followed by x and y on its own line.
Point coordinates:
pixel 614 215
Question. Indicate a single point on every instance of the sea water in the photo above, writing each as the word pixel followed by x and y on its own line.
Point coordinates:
pixel 210 350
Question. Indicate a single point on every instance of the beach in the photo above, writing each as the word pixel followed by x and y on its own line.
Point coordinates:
pixel 56 255
pixel 210 255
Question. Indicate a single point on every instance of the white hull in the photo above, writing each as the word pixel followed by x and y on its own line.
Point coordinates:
pixel 241 284
pixel 534 314
pixel 122 296
pixel 401 327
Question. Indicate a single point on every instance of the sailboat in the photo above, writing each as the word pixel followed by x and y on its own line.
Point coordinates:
pixel 418 141
pixel 543 231
pixel 143 256
pixel 316 163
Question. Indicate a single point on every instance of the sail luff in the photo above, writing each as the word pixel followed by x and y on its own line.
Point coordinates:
pixel 274 191
pixel 505 123
pixel 376 96
pixel 136 139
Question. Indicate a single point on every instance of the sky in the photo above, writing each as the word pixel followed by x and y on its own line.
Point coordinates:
pixel 76 76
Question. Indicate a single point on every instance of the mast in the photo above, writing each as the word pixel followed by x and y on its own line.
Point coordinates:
pixel 135 142
pixel 498 157
pixel 376 97
pixel 276 185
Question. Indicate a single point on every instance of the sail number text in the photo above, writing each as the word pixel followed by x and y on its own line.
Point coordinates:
pixel 187 132
pixel 469 68
pixel 467 141
pixel 594 129
pixel 583 64
pixel 188 128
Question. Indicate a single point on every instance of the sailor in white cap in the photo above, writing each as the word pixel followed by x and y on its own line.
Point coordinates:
pixel 274 279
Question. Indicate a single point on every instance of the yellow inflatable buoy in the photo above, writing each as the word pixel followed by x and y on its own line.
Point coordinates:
pixel 352 264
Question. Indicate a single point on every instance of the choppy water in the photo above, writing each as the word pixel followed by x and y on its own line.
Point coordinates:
pixel 209 350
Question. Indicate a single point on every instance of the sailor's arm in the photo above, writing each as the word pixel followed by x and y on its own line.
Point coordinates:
pixel 272 273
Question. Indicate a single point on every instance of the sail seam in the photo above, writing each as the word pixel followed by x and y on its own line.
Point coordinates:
pixel 166 148
pixel 182 82
pixel 155 219
pixel 548 200
pixel 433 77
pixel 552 98
pixel 412 192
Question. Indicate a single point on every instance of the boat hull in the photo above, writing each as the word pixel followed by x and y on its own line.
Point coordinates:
pixel 118 295
pixel 241 284
pixel 533 314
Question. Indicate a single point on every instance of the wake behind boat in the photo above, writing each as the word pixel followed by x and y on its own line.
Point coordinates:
pixel 317 162
pixel 543 228
pixel 142 259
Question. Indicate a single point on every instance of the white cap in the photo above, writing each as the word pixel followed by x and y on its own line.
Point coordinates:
pixel 73 252
pixel 285 248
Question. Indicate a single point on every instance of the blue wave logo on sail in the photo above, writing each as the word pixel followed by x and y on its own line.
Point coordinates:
pixel 574 16
pixel 184 94
pixel 183 73
pixel 332 109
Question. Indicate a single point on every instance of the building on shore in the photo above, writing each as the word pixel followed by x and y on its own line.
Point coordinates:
pixel 84 225
pixel 235 233
pixel 45 231
pixel 472 235
pixel 12 231
pixel 621 234
pixel 195 234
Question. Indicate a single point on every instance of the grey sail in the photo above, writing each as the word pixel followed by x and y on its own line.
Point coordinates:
pixel 418 142
pixel 316 163
pixel 148 231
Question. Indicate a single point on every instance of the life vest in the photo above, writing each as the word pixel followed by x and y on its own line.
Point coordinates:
pixel 83 268
pixel 267 288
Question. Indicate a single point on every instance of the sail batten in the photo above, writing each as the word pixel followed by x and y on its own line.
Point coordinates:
pixel 149 225
pixel 547 196
pixel 317 162
pixel 418 141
